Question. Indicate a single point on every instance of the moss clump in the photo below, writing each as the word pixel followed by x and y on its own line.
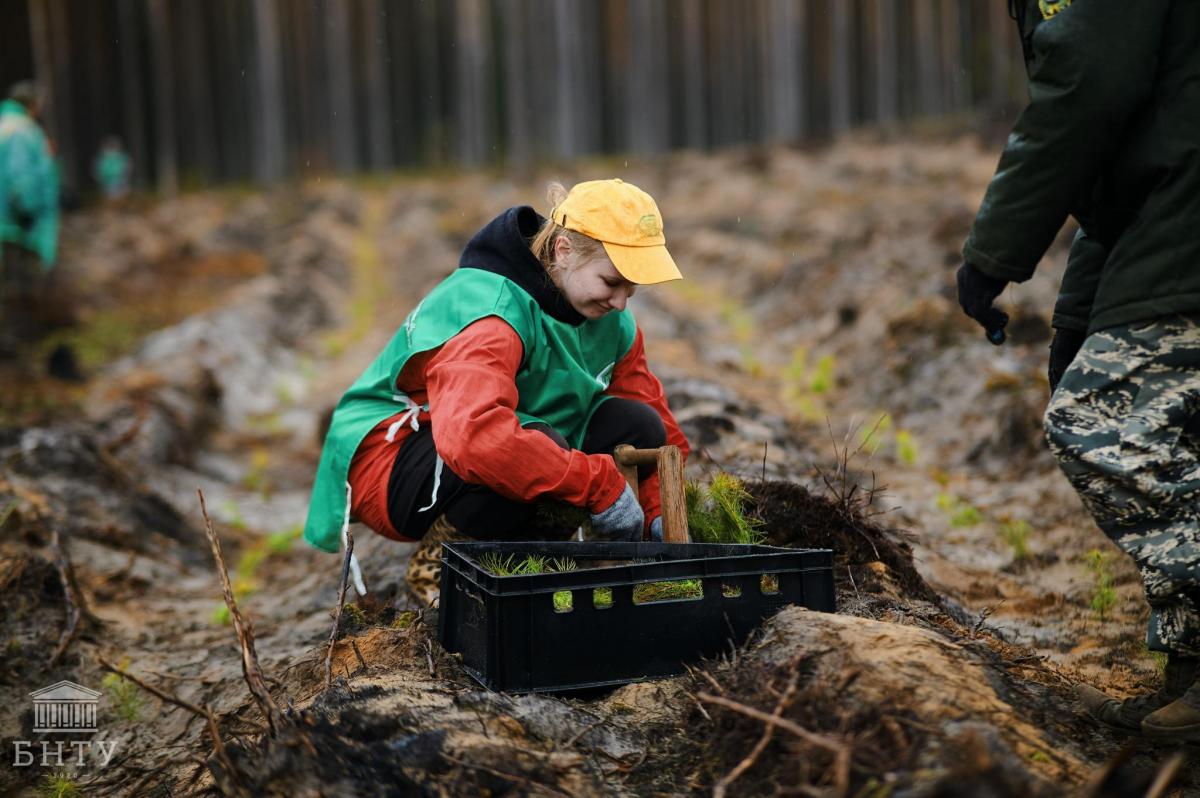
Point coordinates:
pixel 717 513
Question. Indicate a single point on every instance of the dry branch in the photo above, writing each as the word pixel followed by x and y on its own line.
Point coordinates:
pixel 214 731
pixel 337 612
pixel 785 700
pixel 73 614
pixel 841 754
pixel 245 633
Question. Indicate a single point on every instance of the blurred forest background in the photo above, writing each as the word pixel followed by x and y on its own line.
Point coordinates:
pixel 219 91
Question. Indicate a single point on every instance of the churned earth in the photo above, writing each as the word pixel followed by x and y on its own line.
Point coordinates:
pixel 815 349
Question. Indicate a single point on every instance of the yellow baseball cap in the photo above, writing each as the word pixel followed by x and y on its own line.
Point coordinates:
pixel 626 221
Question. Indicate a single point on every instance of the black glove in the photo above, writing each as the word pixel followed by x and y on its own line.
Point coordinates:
pixel 976 293
pixel 1063 348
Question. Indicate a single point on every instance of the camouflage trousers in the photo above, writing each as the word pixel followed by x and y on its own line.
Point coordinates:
pixel 1125 428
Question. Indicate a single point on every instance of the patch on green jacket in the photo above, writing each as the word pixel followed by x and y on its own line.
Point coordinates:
pixel 1051 7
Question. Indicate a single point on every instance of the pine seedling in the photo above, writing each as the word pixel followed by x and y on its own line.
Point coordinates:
pixel 1016 535
pixel 1104 595
pixel 126 700
pixel 717 514
pixel 58 785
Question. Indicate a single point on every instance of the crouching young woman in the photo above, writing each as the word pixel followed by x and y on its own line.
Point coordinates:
pixel 511 382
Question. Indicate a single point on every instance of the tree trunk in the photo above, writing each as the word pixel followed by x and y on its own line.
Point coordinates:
pixel 379 105
pixel 269 144
pixel 429 79
pixel 887 66
pixel 928 91
pixel 167 165
pixel 648 104
pixel 133 93
pixel 340 86
pixel 1001 37
pixel 473 123
pixel 516 100
pixel 568 101
pixel 200 130
pixel 954 85
pixel 694 73
pixel 841 85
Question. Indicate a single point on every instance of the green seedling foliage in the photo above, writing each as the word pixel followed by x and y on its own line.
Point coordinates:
pixel 871 437
pixel 717 513
pixel 235 515
pixel 404 620
pixel 1016 534
pixel 1104 595
pixel 281 542
pixel 823 375
pixel 961 514
pixel 649 592
pixel 125 697
pixel 1159 658
pixel 58 785
pixel 220 615
pixel 906 447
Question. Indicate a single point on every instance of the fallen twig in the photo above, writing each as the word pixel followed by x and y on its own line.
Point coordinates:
pixel 64 577
pixel 359 655
pixel 204 712
pixel 429 658
pixel 841 754
pixel 245 633
pixel 337 612
pixel 782 704
pixel 984 614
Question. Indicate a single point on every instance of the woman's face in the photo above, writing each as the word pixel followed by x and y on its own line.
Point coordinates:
pixel 593 286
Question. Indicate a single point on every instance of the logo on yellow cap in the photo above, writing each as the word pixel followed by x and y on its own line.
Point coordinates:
pixel 649 227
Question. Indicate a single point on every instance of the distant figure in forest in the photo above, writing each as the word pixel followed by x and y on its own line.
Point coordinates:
pixel 1110 136
pixel 29 209
pixel 509 385
pixel 112 169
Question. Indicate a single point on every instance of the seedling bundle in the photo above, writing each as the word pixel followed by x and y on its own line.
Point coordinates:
pixel 626 612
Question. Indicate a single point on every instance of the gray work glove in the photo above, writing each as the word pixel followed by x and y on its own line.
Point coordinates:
pixel 623 521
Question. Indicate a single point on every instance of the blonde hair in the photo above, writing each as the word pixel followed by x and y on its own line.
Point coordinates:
pixel 543 243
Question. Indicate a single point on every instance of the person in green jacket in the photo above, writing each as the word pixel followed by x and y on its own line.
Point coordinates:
pixel 112 170
pixel 1110 136
pixel 29 210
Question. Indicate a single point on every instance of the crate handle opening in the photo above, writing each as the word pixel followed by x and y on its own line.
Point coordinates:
pixel 768 584
pixel 563 601
pixel 602 598
pixel 731 590
pixel 677 590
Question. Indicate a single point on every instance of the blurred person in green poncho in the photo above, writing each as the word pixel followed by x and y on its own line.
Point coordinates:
pixel 112 169
pixel 29 212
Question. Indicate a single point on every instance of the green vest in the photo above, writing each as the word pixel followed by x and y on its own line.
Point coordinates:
pixel 561 381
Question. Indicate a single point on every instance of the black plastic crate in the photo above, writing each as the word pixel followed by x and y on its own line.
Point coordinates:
pixel 512 637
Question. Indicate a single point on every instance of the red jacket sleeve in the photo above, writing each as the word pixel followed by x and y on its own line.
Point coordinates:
pixel 632 379
pixel 472 405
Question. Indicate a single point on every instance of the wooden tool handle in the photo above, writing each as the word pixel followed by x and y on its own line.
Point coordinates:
pixel 670 484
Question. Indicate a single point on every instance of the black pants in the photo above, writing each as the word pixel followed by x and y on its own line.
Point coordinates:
pixel 480 512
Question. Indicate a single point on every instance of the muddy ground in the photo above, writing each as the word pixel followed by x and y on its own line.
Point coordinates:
pixel 815 349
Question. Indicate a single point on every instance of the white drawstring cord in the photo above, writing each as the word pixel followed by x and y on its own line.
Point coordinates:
pixel 355 571
pixel 409 416
pixel 437 483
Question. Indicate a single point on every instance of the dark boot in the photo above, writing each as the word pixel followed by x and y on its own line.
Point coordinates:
pixel 1128 715
pixel 1178 721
